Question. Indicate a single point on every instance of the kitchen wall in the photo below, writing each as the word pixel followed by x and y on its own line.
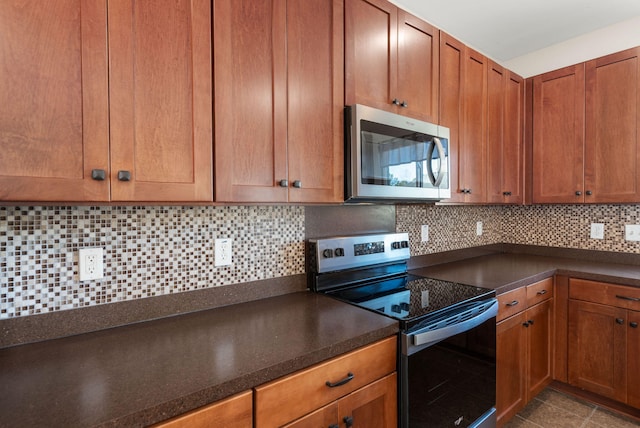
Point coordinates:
pixel 152 251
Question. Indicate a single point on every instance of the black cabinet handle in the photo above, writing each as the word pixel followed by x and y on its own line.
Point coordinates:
pixel 98 174
pixel 525 324
pixel 349 377
pixel 297 184
pixel 542 292
pixel 513 303
pixel 589 192
pixel 619 320
pixel 348 420
pixel 530 322
pixel 632 299
pixel 124 176
pixel 334 426
pixel 404 104
pixel 633 324
pixel 578 193
pixel 395 101
pixel 506 193
pixel 284 183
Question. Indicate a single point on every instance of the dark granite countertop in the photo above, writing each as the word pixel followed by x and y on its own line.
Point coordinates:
pixel 148 372
pixel 507 271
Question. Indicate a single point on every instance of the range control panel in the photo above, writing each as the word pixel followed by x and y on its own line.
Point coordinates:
pixel 348 252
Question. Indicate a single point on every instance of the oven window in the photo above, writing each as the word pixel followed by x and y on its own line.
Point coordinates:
pixel 397 157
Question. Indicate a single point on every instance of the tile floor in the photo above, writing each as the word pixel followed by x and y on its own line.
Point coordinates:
pixel 553 409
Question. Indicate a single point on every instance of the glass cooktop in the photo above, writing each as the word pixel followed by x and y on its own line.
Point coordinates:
pixel 411 299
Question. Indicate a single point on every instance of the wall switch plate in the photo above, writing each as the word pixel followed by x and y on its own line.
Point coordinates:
pixel 479 228
pixel 90 264
pixel 597 230
pixel 425 233
pixel 223 252
pixel 632 232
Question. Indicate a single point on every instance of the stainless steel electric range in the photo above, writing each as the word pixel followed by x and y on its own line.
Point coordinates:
pixel 447 338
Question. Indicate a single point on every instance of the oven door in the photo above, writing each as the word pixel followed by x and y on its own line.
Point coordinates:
pixel 448 370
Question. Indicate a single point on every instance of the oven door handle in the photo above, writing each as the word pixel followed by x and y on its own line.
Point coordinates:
pixel 431 337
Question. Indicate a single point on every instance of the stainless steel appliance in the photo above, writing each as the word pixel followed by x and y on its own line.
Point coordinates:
pixel 447 330
pixel 389 157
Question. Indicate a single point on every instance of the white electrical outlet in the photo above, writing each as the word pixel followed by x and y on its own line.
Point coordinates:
pixel 223 252
pixel 425 233
pixel 632 232
pixel 597 230
pixel 479 228
pixel 90 264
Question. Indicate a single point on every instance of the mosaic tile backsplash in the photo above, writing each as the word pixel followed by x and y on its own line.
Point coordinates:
pixel 564 226
pixel 151 251
pixel 148 251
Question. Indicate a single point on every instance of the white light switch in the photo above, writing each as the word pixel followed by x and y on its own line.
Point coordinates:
pixel 425 233
pixel 479 228
pixel 632 232
pixel 597 230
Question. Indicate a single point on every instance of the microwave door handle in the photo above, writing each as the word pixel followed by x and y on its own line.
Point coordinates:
pixel 436 144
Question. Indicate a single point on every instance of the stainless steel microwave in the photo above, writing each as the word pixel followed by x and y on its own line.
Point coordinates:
pixel 394 158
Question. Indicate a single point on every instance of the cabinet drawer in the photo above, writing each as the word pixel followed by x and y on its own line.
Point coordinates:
pixel 539 292
pixel 604 293
pixel 293 396
pixel 233 412
pixel 511 303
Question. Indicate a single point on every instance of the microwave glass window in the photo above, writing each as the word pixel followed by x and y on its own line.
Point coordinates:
pixel 396 157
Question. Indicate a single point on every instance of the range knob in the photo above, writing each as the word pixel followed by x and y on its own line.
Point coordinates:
pixel 404 244
pixel 328 253
pixel 339 252
pixel 395 245
pixel 396 309
pixel 404 306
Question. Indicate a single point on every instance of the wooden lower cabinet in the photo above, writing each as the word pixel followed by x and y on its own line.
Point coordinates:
pixel 358 389
pixel 524 342
pixel 233 412
pixel 604 339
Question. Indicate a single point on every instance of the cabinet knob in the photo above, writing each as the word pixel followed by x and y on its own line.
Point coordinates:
pixel 589 192
pixel 578 193
pixel 619 320
pixel 633 324
pixel 98 174
pixel 348 420
pixel 284 183
pixel 404 104
pixel 530 322
pixel 334 426
pixel 297 184
pixel 395 101
pixel 506 193
pixel 124 175
pixel 525 324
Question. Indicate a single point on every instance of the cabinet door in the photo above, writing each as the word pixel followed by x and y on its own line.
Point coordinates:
pixel 315 71
pixel 324 417
pixel 373 406
pixel 452 53
pixel 612 155
pixel 418 64
pixel 160 100
pixel 597 349
pixel 558 136
pixel 54 119
pixel 511 364
pixel 233 412
pixel 633 362
pixel 496 77
pixel 539 347
pixel 371 53
pixel 473 150
pixel 512 140
pixel 250 102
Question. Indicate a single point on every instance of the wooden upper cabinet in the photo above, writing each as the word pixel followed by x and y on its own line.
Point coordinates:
pixel 160 100
pixel 130 100
pixel 54 119
pixel 451 80
pixel 473 150
pixel 558 136
pixel 505 103
pixel 612 144
pixel 278 74
pixel 392 59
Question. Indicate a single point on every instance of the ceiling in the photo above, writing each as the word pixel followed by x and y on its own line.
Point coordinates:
pixel 507 29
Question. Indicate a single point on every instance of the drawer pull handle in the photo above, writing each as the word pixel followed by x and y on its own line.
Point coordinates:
pixel 340 382
pixel 633 299
pixel 515 302
pixel 633 324
pixel 620 320
pixel 541 292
